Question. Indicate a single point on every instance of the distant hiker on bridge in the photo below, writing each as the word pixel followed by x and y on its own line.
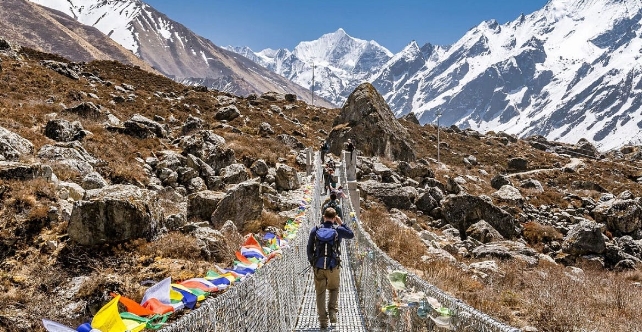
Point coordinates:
pixel 325 147
pixel 324 256
pixel 350 147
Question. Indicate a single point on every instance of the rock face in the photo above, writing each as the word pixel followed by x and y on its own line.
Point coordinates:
pixel 209 147
pixel 240 204
pixel 585 238
pixel 235 173
pixel 12 145
pixel 10 170
pixel 115 214
pixel 71 154
pixel 620 216
pixel 368 121
pixel 392 195
pixel 227 113
pixel 64 131
pixel 287 178
pixel 202 204
pixel 142 127
pixel 466 210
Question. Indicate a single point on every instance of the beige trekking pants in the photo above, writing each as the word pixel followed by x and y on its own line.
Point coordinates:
pixel 327 280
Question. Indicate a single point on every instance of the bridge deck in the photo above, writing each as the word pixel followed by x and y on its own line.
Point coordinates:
pixel 349 318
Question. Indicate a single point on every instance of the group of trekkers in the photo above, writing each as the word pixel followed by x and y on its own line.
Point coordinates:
pixel 324 242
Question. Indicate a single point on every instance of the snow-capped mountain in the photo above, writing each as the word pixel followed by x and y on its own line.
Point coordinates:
pixel 173 49
pixel 340 62
pixel 570 70
pixel 567 71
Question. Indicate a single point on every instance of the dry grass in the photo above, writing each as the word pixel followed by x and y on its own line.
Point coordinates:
pixel 536 233
pixel 172 245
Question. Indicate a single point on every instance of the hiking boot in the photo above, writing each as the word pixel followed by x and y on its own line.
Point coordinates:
pixel 323 326
pixel 333 319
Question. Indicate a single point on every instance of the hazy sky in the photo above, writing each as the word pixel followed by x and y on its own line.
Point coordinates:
pixel 285 23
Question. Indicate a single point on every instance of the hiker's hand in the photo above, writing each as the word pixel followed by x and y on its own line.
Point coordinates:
pixel 338 221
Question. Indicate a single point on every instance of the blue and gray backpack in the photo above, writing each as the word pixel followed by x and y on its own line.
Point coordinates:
pixel 326 248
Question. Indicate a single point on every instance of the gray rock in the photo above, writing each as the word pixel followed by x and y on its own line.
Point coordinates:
pixel 86 110
pixel 290 141
pixel 66 69
pixel 416 171
pixel 142 127
pixel 499 181
pixel 259 168
pixel 70 154
pixel 265 129
pixel 13 146
pixel 209 147
pixel 392 195
pixel 508 193
pixel 175 222
pixel 10 170
pixel 115 214
pixel 195 185
pixel 202 204
pixel 368 121
pixel 212 244
pixel 620 216
pixel 93 180
pixel 483 232
pixel 425 202
pixel 240 204
pixel 585 238
pixel 227 113
pixel 287 178
pixel 273 96
pixel 532 184
pixel 465 210
pixel 192 124
pixel 518 164
pixel 64 131
pixel 235 173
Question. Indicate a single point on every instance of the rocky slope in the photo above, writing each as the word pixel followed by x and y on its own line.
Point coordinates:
pixel 105 168
pixel 173 49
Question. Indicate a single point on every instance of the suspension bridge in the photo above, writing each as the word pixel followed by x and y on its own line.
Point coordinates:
pixel 280 296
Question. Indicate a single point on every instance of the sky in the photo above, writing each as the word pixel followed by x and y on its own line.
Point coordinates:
pixel 284 23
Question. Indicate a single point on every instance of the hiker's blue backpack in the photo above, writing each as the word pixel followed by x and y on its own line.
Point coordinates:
pixel 326 248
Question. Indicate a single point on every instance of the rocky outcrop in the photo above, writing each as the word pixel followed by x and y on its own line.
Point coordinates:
pixel 392 195
pixel 287 178
pixel 10 170
pixel 66 69
pixel 466 210
pixel 142 127
pixel 368 121
pixel 209 147
pixel 115 214
pixel 227 113
pixel 240 204
pixel 70 154
pixel 235 173
pixel 585 238
pixel 621 216
pixel 64 131
pixel 202 204
pixel 484 232
pixel 13 146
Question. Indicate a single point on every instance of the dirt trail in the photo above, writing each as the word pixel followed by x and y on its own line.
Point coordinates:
pixel 574 164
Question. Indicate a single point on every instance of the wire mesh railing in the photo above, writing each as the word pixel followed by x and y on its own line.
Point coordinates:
pixel 270 299
pixel 267 300
pixel 371 267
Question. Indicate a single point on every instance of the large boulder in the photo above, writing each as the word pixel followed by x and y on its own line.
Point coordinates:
pixel 368 121
pixel 484 232
pixel 142 127
pixel 202 204
pixel 465 210
pixel 426 202
pixel 86 109
pixel 240 204
pixel 287 178
pixel 115 214
pixel 11 170
pixel 392 195
pixel 209 147
pixel 259 168
pixel 235 173
pixel 585 238
pixel 416 171
pixel 290 141
pixel 621 216
pixel 499 181
pixel 64 131
pixel 13 146
pixel 508 193
pixel 70 154
pixel 227 113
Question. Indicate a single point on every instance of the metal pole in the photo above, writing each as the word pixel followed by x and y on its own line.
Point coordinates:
pixel 438 141
pixel 312 87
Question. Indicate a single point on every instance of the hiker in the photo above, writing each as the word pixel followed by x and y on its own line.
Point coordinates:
pixel 326 179
pixel 350 148
pixel 340 194
pixel 332 202
pixel 324 256
pixel 325 147
pixel 331 182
